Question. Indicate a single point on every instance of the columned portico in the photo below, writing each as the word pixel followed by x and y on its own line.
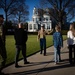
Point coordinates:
pixel 37 20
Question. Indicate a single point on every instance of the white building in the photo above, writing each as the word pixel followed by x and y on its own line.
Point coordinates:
pixel 37 20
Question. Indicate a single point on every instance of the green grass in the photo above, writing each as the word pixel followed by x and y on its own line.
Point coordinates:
pixel 32 46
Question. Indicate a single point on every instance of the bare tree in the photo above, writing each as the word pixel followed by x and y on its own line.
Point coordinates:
pixel 9 5
pixel 61 9
pixel 20 12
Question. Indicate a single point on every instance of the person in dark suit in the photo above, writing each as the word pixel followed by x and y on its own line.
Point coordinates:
pixel 21 37
pixel 2 42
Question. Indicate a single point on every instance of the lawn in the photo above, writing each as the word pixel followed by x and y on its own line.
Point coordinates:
pixel 32 46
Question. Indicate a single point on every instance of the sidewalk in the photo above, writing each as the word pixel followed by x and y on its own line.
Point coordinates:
pixel 43 65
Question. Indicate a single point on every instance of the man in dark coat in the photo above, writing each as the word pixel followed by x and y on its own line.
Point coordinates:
pixel 2 42
pixel 21 37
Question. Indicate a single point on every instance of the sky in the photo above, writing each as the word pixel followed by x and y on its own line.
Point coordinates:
pixel 31 4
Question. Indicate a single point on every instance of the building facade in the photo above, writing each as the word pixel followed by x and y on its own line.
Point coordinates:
pixel 37 20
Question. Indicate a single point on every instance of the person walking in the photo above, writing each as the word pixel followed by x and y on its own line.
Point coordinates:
pixel 71 42
pixel 2 43
pixel 58 43
pixel 42 37
pixel 21 37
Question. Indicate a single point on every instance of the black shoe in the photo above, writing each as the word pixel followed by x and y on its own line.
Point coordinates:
pixel 60 60
pixel 16 65
pixel 71 63
pixel 40 52
pixel 44 54
pixel 26 62
pixel 3 64
pixel 1 73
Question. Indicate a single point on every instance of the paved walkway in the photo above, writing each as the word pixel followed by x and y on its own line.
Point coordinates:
pixel 43 65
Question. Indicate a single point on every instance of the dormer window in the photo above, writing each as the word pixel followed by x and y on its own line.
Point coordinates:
pixel 46 19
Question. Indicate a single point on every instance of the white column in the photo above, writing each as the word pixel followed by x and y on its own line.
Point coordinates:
pixel 28 27
pixel 50 25
pixel 33 27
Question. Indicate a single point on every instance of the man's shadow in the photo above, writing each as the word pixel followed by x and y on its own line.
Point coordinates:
pixel 63 64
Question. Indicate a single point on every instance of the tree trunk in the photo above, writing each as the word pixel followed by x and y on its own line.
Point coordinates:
pixel 6 18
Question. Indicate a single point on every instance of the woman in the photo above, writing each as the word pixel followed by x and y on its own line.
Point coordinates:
pixel 71 42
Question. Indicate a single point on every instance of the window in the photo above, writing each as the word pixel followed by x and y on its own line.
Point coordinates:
pixel 35 26
pixel 48 26
pixel 30 26
pixel 39 19
pixel 33 19
pixel 46 19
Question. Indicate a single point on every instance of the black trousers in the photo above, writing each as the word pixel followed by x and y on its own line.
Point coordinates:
pixel 43 45
pixel 3 52
pixel 71 54
pixel 18 49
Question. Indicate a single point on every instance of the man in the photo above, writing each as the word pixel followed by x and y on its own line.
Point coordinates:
pixel 2 42
pixel 20 41
pixel 42 37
